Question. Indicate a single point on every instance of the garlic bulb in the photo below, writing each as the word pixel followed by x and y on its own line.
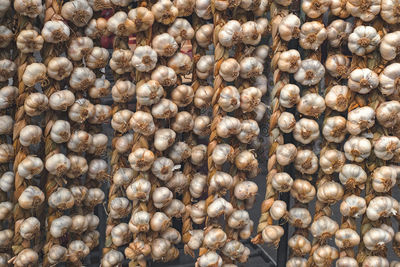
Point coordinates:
pixel 302 190
pixel 346 238
pixel 29 41
pixel 218 207
pixel 78 167
pixel 325 255
pixel 181 30
pixel 314 9
pixel 124 143
pixel 339 30
pixel 310 72
pixel 230 33
pixel 140 222
pixel 82 78
pixel 222 153
pixel 164 138
pixel 57 164
pixel 245 190
pixel 278 210
pixel 289 27
pixel 178 183
pixel 198 212
pixel 306 131
pixel 201 126
pixel 120 25
pixel 248 132
pixel 330 192
pixel 360 119
pixel 97 169
pixel 57 254
pixel 164 11
pixel 208 259
pixel 162 196
pixel 389 79
pixel 375 261
pixel 77 250
pixel 289 95
pixel 229 99
pixel 30 134
pixel 204 35
pixel 80 141
pixel 228 126
pixel 363 40
pixel 7 181
pixel 34 73
pixel 31 197
pixel 142 19
pixel 61 100
pixel 198 155
pixel 352 175
pixel 229 69
pixel 388 114
pixel 120 61
pixel 338 98
pixel 383 179
pixel 364 10
pixel 220 182
pixel 286 122
pixel 142 122
pixel 299 244
pixel 331 161
pixel 296 262
pixel 334 129
pixel 28 8
pixel 55 31
pixel 159 222
pixel 382 206
pixel 236 251
pixel 139 189
pixel 251 33
pixel 337 65
pixel 97 58
pixel 175 209
pixel 121 120
pixel 165 109
pixel 29 167
pixel 6 153
pixel 149 93
pixel 144 58
pixel 214 239
pixel 389 45
pixel 324 227
pixel 183 122
pixel 196 239
pixel 79 48
pixel 26 257
pixel 353 206
pixel 164 44
pixel 29 228
pixel 94 197
pixel 120 207
pixel 123 176
pixel 312 35
pixel 112 258
pixel 249 98
pixel 282 182
pixel 376 238
pixel 289 61
pixel 180 63
pixel 35 104
pixel 8 95
pixel 205 66
pixel 120 234
pixel 285 154
pixel 357 148
pixel 6 237
pixel 299 217
pixel 387 147
pixel 163 168
pixel 7 69
pixel 306 161
pixel 60 226
pixel 81 110
pixel 60 131
pixel 77 11
pixel 197 185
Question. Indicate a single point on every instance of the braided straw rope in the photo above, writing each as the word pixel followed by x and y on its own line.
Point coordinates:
pixel 280 79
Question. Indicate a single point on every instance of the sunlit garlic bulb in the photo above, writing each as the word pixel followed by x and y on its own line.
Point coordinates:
pixel 181 63
pixel 78 167
pixel 7 69
pixel 142 122
pixel 7 181
pixel 80 141
pixel 8 95
pixel 331 161
pixel 29 41
pixel 376 239
pixel 299 217
pixel 31 197
pixel 79 48
pixel 30 134
pixel 282 182
pixel 178 183
pixel 141 159
pixel 325 255
pixel 285 154
pixel 251 33
pixel 360 119
pixel 228 126
pixel 363 40
pixel 97 58
pixel 164 44
pixel 229 99
pixel 248 132
pixel 120 207
pixel 286 122
pixel 57 164
pixel 149 93
pixel 35 104
pixel 159 222
pixel 164 138
pixel 101 88
pixel 278 209
pixel 164 11
pixel 306 161
pixel 388 114
pixel 112 258
pixel 330 192
pixel 366 10
pixel 338 31
pixel 324 227
pixel 314 9
pixel 230 69
pixel 289 27
pixel 357 148
pixel 353 206
pixel 97 169
pixel 306 131
pixel 205 66
pixel 61 100
pixel 220 182
pixel 198 212
pixel 352 175
pixel 29 228
pixel 30 8
pixel 383 179
pixel 338 98
pixel 375 261
pixel 120 25
pixel 289 61
pixel 120 61
pixel 139 190
pixel 198 155
pixel 389 80
pixel 144 58
pixel 204 35
pixel 27 257
pixel 303 191
pixel 312 35
pixel 389 47
pixel 201 125
pixel 310 72
pixel 209 259
pixel 60 132
pixel 296 262
pixel 382 206
pixel 34 73
pixel 337 65
pixel 29 167
pixel 181 30
pixel 249 98
pixel 334 129
pixel 142 19
pixel 55 31
pixel 299 244
pixel 82 78
pixel 215 238
pixel 346 238
pixel 77 11
pixel 387 147
pixel 289 95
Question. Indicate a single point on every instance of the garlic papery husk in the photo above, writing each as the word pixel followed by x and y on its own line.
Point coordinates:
pixel 334 129
pixel 338 31
pixel 204 35
pixel 181 30
pixel 229 69
pixel 30 134
pixel 198 155
pixel 282 182
pixel 112 258
pixel 144 58
pixel 140 222
pixel 289 61
pixel 357 148
pixel 362 81
pixel 31 197
pixel 306 131
pixel 376 239
pixel 245 190
pixel 235 250
pixel 139 190
pixel 382 206
pixel 353 206
pixel 230 33
pixel 142 19
pixel 272 234
pixel 197 185
pixel 286 122
pixel 30 8
pixel 210 258
pixel 57 254
pixel 120 207
pixel 312 35
pixel 324 228
pixel 302 190
pixel 352 175
pixel 218 207
pixel 311 105
pixel 366 11
pixel 389 80
pixel 27 257
pixel 163 168
pixel 8 95
pixel 164 44
pixel 57 164
pixel 387 148
pixel 325 255
pixel 120 61
pixel 289 27
pixel 300 245
pixel 338 98
pixel 149 93
pixel 164 11
pixel 60 131
pixel 82 78
pixel 55 31
pixel 7 69
pixel 360 119
pixel 389 47
pixel 29 41
pixel 346 238
pixel 29 167
pixel 214 238
pixel 310 72
pixel 94 197
pixel 383 179
pixel 363 40
pixel 77 11
pixel 60 226
pixel 331 161
pixel 278 209
pixel 120 234
pixel 251 33
pixel 7 181
pixel 164 138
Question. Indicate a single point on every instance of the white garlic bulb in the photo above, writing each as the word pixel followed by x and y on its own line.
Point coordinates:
pixel 363 40
pixel 57 164
pixel 339 30
pixel 382 206
pixel 55 31
pixel 383 179
pixel 387 147
pixel 323 227
pixel 357 148
pixel 31 197
pixel 312 35
pixel 29 167
pixel 310 72
pixel 346 238
pixel 229 69
pixel 29 41
pixel 289 61
pixel 144 58
pixel 353 206
pixel 299 217
pixel 360 119
pixel 302 190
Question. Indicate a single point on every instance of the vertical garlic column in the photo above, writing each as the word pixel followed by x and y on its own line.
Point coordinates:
pixel 27 166
pixel 8 96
